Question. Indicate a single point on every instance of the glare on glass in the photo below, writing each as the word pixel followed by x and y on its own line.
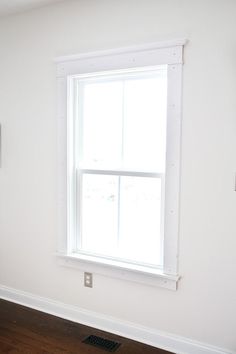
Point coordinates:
pixel 102 123
pixel 99 214
pixel 124 121
pixel 122 127
pixel 140 219
pixel 145 123
pixel 121 217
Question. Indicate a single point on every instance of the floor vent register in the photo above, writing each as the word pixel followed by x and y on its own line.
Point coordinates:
pixel 102 343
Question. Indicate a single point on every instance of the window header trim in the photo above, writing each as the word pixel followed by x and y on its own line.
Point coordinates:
pixel 148 55
pixel 130 49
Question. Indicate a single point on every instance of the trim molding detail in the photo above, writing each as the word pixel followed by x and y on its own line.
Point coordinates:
pixel 150 336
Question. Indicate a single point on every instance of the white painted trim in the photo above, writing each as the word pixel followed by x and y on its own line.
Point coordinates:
pixel 118 172
pixel 122 58
pixel 0 146
pixel 168 53
pixel 61 164
pixel 130 49
pixel 150 336
pixel 118 269
pixel 172 178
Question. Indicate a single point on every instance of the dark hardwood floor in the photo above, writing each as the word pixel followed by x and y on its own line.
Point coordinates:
pixel 27 331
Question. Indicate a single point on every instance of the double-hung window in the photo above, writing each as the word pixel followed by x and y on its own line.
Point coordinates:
pixel 119 150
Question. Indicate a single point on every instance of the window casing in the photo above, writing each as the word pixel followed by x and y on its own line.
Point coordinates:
pixel 123 169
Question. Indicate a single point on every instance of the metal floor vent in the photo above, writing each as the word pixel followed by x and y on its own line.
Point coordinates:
pixel 99 342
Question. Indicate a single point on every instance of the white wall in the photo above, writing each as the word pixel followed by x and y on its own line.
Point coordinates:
pixel 204 307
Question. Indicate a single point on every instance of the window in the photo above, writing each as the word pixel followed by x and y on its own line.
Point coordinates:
pixel 120 130
pixel 119 148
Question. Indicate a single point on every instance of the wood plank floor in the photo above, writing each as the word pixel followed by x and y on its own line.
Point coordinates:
pixel 27 331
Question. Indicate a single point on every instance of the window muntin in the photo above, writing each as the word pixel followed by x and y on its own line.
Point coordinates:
pixel 120 150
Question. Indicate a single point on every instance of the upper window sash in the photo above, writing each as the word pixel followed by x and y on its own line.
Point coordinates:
pixel 119 108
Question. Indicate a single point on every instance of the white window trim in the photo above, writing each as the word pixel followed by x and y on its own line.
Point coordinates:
pixel 171 53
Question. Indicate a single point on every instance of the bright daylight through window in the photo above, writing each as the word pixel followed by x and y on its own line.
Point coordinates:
pixel 119 120
pixel 120 162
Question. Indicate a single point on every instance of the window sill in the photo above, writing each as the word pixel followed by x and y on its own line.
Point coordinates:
pixel 121 270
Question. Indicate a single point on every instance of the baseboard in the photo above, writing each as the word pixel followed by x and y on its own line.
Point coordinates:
pixel 167 341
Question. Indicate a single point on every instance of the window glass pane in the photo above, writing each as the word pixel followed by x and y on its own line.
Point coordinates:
pixel 121 217
pixel 140 219
pixel 122 124
pixel 123 120
pixel 102 123
pixel 99 213
pixel 145 102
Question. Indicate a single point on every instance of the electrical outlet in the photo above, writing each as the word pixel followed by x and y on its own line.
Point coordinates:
pixel 88 280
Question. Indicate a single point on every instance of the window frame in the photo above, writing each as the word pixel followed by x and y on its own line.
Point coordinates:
pixel 163 53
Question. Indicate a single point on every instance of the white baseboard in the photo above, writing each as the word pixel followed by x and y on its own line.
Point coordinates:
pixel 167 341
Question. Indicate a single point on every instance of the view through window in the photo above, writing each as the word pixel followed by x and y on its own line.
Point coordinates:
pixel 120 154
